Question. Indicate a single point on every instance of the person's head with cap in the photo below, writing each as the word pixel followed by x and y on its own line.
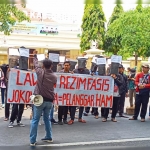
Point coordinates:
pixel 145 68
pixel 121 68
pixel 132 70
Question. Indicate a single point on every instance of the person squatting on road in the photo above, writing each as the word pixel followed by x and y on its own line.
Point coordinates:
pixel 142 82
pixel 45 87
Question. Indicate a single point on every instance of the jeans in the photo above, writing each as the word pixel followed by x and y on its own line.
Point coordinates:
pixel 2 94
pixel 51 113
pixel 37 112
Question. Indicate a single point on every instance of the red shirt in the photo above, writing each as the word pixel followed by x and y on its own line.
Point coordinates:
pixel 141 79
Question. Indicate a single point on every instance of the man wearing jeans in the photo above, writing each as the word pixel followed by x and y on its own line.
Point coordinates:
pixel 44 87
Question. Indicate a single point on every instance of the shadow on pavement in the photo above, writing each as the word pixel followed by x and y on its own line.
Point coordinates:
pixel 94 147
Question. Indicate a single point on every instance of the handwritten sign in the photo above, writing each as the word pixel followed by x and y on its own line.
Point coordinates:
pixel 13 52
pixel 100 61
pixel 116 59
pixel 62 59
pixel 40 57
pixel 71 89
pixel 94 59
pixel 24 52
pixel 54 57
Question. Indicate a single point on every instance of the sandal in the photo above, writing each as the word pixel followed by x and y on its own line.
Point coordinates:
pixel 6 119
pixel 142 120
pixel 104 120
pixel 113 120
pixel 132 118
pixel 82 121
pixel 70 122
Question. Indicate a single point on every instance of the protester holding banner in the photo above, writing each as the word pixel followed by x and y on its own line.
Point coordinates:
pixel 63 110
pixel 117 83
pixel 18 108
pixel 81 70
pixel 44 87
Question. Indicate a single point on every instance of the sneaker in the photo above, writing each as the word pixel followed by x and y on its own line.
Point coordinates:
pixel 11 125
pixel 47 140
pixel 20 124
pixel 60 122
pixel 3 105
pixel 65 122
pixel 85 114
pixel 54 121
pixel 33 144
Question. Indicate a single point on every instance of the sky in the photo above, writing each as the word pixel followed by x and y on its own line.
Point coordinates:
pixel 76 6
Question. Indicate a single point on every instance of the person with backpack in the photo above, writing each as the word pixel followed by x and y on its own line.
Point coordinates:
pixel 142 82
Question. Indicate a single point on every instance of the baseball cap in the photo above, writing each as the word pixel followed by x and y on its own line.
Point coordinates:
pixel 145 65
pixel 133 70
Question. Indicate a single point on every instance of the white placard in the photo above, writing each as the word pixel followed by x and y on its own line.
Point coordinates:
pixel 100 61
pixel 94 59
pixel 24 52
pixel 40 57
pixel 13 52
pixel 54 57
pixel 116 59
pixel 62 59
pixel 109 61
pixel 82 57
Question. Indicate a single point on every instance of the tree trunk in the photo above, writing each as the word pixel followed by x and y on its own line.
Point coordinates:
pixel 136 59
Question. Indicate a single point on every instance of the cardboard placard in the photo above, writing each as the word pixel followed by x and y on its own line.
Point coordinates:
pixel 14 52
pixel 54 57
pixel 24 52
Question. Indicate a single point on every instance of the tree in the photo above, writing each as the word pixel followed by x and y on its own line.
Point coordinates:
pixel 133 28
pixel 9 15
pixel 113 44
pixel 93 26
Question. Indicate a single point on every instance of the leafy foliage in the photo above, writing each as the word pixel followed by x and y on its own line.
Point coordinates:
pixel 93 26
pixel 133 28
pixel 9 15
pixel 113 45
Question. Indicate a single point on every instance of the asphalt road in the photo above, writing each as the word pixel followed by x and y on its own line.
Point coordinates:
pixel 92 135
pixel 96 147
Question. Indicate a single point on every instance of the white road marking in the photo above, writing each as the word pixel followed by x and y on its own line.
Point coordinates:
pixel 96 142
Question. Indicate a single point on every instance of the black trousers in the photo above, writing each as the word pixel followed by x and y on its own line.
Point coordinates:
pixel 141 101
pixel 7 106
pixel 121 103
pixel 94 110
pixel 73 111
pixel 114 108
pixel 62 110
pixel 17 112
